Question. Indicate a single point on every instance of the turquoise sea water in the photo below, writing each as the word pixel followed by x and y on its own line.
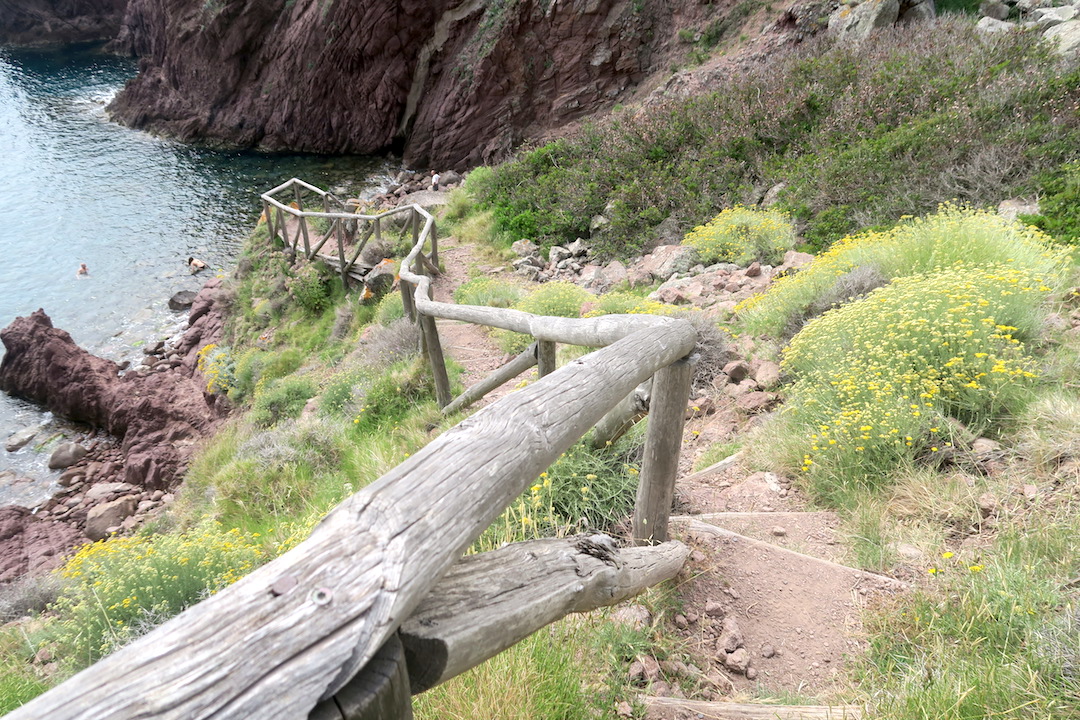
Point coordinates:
pixel 76 188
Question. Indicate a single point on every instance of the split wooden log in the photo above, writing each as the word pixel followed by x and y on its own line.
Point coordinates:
pixel 297 629
pixel 623 416
pixel 748 711
pixel 490 601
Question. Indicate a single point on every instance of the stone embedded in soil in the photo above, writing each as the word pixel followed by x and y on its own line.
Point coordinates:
pixel 714 609
pixel 731 636
pixel 767 650
pixel 987 504
pixel 755 402
pixel 736 370
pixel 738 661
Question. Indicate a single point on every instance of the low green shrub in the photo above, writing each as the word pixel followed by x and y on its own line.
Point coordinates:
pixel 390 308
pixel 876 381
pixel 120 587
pixel 489 291
pixel 1059 204
pixel 586 489
pixel 310 288
pixel 281 399
pixel 19 682
pixel 954 234
pixel 383 400
pixel 256 368
pixel 554 299
pixel 742 235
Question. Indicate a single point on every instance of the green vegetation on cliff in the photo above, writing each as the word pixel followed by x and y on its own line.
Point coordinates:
pixel 860 134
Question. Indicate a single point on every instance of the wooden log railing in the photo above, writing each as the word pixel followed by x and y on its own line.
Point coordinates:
pixel 315 632
pixel 289 219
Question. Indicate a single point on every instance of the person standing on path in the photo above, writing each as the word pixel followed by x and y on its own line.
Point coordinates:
pixel 435 178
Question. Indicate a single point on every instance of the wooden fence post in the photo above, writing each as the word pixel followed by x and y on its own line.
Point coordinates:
pixel 667 415
pixel 430 333
pixel 545 357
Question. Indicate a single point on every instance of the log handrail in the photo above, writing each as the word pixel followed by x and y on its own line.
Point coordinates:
pixel 297 630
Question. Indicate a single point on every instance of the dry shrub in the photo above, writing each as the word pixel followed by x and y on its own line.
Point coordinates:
pixel 388 344
pixel 1051 432
pixel 28 595
pixel 850 286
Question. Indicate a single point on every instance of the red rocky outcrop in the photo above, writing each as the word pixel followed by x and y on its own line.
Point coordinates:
pixel 42 22
pixel 453 82
pixel 157 416
pixel 32 546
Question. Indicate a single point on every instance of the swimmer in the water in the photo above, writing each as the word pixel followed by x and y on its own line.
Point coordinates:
pixel 83 270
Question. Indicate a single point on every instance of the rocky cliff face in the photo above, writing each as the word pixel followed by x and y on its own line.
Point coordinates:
pixel 158 416
pixel 44 22
pixel 450 82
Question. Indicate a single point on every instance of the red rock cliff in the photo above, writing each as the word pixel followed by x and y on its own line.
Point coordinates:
pixel 42 22
pixel 452 82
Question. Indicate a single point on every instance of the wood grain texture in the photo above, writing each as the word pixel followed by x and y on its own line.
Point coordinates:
pixel 487 602
pixel 247 652
pixel 663 441
pixel 749 711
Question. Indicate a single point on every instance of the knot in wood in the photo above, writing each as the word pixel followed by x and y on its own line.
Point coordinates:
pixel 600 546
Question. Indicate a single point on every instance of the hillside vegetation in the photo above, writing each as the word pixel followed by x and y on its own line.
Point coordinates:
pixel 860 135
pixel 922 334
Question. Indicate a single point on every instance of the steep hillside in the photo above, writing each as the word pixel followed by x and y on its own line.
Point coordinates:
pixel 451 83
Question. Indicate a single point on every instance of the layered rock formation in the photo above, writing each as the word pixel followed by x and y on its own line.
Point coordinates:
pixel 451 82
pixel 41 22
pixel 157 416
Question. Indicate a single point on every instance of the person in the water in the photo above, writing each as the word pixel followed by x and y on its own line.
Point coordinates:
pixel 83 270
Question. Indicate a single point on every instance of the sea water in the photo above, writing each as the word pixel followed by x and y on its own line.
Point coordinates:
pixel 77 188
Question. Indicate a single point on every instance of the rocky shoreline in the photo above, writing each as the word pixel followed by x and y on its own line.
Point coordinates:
pixel 145 424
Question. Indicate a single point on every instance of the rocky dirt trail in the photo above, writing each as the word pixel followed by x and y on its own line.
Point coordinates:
pixel 470 346
pixel 769 607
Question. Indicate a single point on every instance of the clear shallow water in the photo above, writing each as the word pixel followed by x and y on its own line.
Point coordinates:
pixel 75 188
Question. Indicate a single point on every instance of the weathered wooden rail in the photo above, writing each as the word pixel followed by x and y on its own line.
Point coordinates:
pixel 378 597
pixel 288 220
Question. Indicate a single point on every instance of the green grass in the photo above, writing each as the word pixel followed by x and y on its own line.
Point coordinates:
pixel 988 636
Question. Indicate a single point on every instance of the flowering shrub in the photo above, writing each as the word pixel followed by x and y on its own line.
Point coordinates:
pixel 953 234
pixel 624 303
pixel 488 291
pixel 218 366
pixel 876 380
pixel 555 299
pixel 120 586
pixel 742 235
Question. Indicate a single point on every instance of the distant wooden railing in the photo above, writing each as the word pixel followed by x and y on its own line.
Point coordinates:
pixel 288 220
pixel 378 602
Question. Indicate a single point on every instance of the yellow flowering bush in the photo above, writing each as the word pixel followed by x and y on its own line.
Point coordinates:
pixel 954 234
pixel 120 586
pixel 553 299
pixel 742 235
pixel 624 303
pixel 218 366
pixel 876 380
